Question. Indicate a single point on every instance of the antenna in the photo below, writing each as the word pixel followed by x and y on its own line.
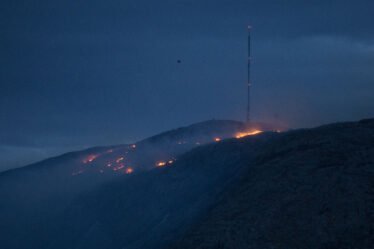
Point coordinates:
pixel 248 119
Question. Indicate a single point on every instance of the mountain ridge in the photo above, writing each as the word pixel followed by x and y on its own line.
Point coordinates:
pixel 230 193
pixel 316 192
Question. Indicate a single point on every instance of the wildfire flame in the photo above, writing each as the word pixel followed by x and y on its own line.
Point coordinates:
pixel 119 163
pixel 249 133
pixel 90 158
pixel 160 164
pixel 129 170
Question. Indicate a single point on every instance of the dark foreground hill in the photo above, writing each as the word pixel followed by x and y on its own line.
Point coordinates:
pixel 301 189
pixel 304 189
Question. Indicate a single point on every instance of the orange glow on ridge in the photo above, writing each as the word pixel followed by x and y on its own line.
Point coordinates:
pixel 217 139
pixel 250 133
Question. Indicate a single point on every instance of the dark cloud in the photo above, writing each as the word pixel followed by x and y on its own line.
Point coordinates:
pixel 76 73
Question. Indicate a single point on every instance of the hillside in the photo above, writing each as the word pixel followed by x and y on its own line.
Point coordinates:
pixel 33 195
pixel 305 189
pixel 149 210
pixel 310 188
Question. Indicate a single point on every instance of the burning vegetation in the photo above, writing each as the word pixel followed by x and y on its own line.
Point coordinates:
pixel 160 164
pixel 165 163
pixel 129 170
pixel 90 158
pixel 117 160
pixel 112 161
pixel 249 133
pixel 121 166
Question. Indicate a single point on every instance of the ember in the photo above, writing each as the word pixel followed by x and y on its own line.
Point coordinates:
pixel 160 164
pixel 121 166
pixel 250 133
pixel 90 158
pixel 217 139
pixel 129 170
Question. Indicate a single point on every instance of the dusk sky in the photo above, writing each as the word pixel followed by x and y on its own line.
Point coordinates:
pixel 76 74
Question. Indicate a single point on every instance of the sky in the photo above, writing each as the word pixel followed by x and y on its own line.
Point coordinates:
pixel 76 74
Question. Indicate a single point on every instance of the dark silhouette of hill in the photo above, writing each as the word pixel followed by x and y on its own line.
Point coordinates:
pixel 310 188
pixel 304 189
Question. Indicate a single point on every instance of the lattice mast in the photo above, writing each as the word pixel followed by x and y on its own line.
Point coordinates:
pixel 248 117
